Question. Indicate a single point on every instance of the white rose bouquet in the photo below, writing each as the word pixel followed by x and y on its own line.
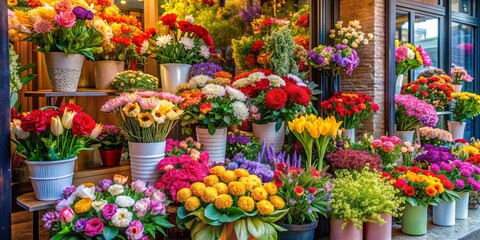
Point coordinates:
pixel 350 35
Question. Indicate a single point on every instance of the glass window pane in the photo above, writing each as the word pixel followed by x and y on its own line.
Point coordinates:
pixel 463 6
pixel 401 28
pixel 426 34
pixel 428 2
pixel 463 56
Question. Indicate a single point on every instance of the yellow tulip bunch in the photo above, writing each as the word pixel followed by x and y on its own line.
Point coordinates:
pixel 310 129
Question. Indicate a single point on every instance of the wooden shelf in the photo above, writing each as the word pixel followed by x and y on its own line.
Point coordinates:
pixel 94 175
pixel 81 92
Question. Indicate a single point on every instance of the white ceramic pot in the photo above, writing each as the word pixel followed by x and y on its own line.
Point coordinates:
pixel 461 205
pixel 349 134
pixel 64 70
pixel 105 72
pixel 144 158
pixel 215 145
pixel 406 136
pixel 50 178
pixel 267 133
pixel 398 83
pixel 457 129
pixel 172 75
pixel 457 87
pixel 444 214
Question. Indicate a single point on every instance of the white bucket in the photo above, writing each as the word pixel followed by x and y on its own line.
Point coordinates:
pixel 349 134
pixel 406 136
pixel 50 178
pixel 267 133
pixel 461 205
pixel 444 214
pixel 215 145
pixel 172 75
pixel 144 158
pixel 457 129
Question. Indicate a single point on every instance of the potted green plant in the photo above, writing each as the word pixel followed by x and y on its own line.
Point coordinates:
pixel 134 80
pixel 112 140
pixel 465 106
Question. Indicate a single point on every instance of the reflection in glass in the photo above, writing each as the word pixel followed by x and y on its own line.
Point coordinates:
pixel 426 34
pixel 428 2
pixel 463 6
pixel 401 27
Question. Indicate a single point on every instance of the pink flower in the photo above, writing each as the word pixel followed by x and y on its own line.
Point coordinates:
pixel 149 191
pixel 401 53
pixel 388 146
pixel 135 230
pixel 157 208
pixel 376 143
pixel 42 26
pixel 141 207
pixel 67 215
pixel 204 157
pixel 94 227
pixel 148 103
pixel 159 196
pixel 139 186
pixel 108 211
pixel 65 19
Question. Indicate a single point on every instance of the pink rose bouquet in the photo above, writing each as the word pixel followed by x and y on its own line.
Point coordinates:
pixel 107 210
pixel 435 136
pixel 388 148
pixel 459 75
pixel 188 146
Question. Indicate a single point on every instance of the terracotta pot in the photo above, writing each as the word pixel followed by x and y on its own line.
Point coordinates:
pixel 111 158
pixel 376 231
pixel 350 232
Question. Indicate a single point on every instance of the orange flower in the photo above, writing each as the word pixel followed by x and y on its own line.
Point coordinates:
pixel 223 74
pixel 299 190
pixel 263 59
pixel 205 107
pixel 431 191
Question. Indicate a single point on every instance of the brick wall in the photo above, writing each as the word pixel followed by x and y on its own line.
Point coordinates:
pixel 369 76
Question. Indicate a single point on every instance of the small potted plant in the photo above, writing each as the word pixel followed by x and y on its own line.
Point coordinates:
pixel 406 59
pixel 134 80
pixel 465 106
pixel 112 140
pixel 436 90
pixel 460 75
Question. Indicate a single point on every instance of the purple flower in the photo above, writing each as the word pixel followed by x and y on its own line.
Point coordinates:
pixel 329 196
pixel 292 201
pixel 459 183
pixel 344 62
pixel 412 112
pixel 79 12
pixel 89 15
pixel 68 191
pixel 465 172
pixel 337 57
pixel 157 208
pixel 309 211
pixel 80 224
pixel 204 68
pixel 250 13
pixel 105 184
pixel 457 163
pixel 135 230
pixel 341 46
pixel 108 211
pixel 435 168
pixel 49 218
pixel 436 155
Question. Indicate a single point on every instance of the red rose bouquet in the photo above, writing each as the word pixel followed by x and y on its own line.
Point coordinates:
pixel 53 134
pixel 350 108
pixel 436 90
pixel 273 98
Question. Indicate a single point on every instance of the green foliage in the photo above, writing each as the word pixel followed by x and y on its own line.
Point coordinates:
pixel 241 48
pixel 466 106
pixel 16 81
pixel 134 80
pixel 279 45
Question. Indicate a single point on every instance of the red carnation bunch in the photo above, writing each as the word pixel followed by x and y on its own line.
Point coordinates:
pixel 436 90
pixel 302 21
pixel 351 108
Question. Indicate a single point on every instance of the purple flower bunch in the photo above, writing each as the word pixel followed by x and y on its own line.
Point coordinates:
pixel 204 68
pixel 336 60
pixel 434 154
pixel 464 175
pixel 410 112
pixel 354 160
pixel 263 170
pixel 82 13
pixel 238 142
pixel 250 12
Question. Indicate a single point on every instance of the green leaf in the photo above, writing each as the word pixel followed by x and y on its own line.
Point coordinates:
pixel 255 227
pixel 240 227
pixel 270 233
pixel 110 232
pixel 275 216
pixel 212 213
pixel 234 213
pixel 211 129
pixel 161 221
pixel 278 125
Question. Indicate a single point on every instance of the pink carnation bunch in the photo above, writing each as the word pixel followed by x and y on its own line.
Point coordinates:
pixel 388 148
pixel 460 74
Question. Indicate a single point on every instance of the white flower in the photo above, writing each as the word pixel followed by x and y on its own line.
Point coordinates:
pixel 124 201
pixel 242 82
pixel 370 36
pixel 66 202
pixel 199 80
pixel 297 80
pixel 122 218
pixel 164 40
pixel 256 76
pixel 365 41
pixel 187 42
pixel 276 81
pixel 345 41
pixel 410 54
pixel 240 110
pixel 144 47
pixel 235 94
pixel 354 45
pixel 204 51
pixel 189 18
pixel 332 35
pixel 98 205
pixel 115 189
pixel 86 192
pixel 213 90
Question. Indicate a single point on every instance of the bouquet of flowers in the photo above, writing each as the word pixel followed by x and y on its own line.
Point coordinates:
pixel 409 57
pixel 109 210
pixel 464 175
pixel 308 192
pixel 177 172
pixel 205 68
pixel 64 26
pixel 211 103
pixel 434 154
pixel 231 204
pixel 187 43
pixel 145 117
pixel 350 108
pixel 111 138
pixel 388 148
pixel 422 187
pixel 466 106
pixel 361 196
pixel 352 159
pixel 459 75
pixel 350 35
pixel 435 136
pixel 301 22
pixel 239 142
pixel 436 90
pixel 134 80
pixel 187 146
pixel 409 153
pixel 334 60
pixel 273 98
pixel 410 112
pixel 53 134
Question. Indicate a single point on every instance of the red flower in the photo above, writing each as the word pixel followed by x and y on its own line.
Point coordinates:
pixel 267 22
pixel 415 169
pixel 249 90
pixel 275 99
pixel 70 107
pixel 401 169
pixel 425 94
pixel 277 174
pixel 427 172
pixel 299 190
pixel 34 122
pixel 205 108
pixel 302 21
pixel 387 175
pixel 257 45
pixel 278 183
pixel 409 191
pixel 415 88
pixel 83 124
pixel 298 95
pixel 267 72
pixel 125 29
pixel 185 26
pixel 49 113
pixel 295 171
pixel 308 90
pixel 281 166
pixel 150 32
pixel 251 60
pixel 375 107
pixel 14 114
pixel 401 184
pixel 313 190
pixel 169 20
pixel 200 31
pixel 302 66
pixel 263 84
pixel 461 140
pixel 315 173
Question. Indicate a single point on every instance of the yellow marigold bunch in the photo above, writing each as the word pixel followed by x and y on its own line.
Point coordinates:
pixel 183 195
pixel 236 188
pixel 217 170
pixel 259 193
pixel 221 188
pixel 247 204
pixel 210 180
pixel 209 194
pixel 197 188
pixel 271 188
pixel 83 205
pixel 277 202
pixel 240 172
pixel 265 207
pixel 471 150
pixel 256 180
pixel 228 176
pixel 223 201
pixel 248 182
pixel 192 204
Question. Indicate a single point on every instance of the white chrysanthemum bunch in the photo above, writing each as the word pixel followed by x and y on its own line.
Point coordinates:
pixel 350 35
pixel 213 90
pixel 199 81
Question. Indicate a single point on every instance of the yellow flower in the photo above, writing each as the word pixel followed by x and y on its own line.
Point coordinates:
pixel 83 205
pixel 228 176
pixel 131 109
pixel 246 203
pixel 438 186
pixel 145 119
pixel 411 176
pixel 277 202
pixel 248 182
pixel 209 194
pixel 223 201
pixel 471 150
pixel 313 129
pixel 192 204
pixel 334 125
pixel 240 172
pixel 44 12
pixel 420 178
pixel 259 193
pixel 256 180
pixel 265 207
pixel 236 188
pixel 297 125
pixel 217 170
pixel 197 188
pixel 12 3
pixel 271 188
pixel 221 188
pixel 183 195
pixel 164 106
pixel 210 180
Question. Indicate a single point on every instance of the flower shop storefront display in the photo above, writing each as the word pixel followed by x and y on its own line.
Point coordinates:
pixel 185 44
pixel 146 118
pixel 408 57
pixel 112 140
pixel 50 140
pixel 465 106
pixel 459 75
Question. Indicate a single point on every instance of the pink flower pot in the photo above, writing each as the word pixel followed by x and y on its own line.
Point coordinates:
pixel 350 232
pixel 376 231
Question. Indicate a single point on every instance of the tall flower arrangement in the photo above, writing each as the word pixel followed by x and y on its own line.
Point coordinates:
pixel 145 117
pixel 436 90
pixel 334 60
pixel 410 112
pixel 409 57
pixel 466 106
pixel 459 75
pixel 186 43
